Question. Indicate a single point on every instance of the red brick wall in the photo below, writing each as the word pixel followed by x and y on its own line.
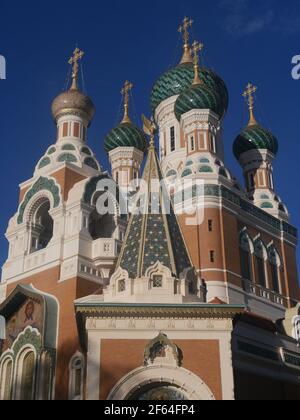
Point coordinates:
pixel 120 357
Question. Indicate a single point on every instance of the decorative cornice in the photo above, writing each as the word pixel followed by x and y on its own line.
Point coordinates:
pixel 158 311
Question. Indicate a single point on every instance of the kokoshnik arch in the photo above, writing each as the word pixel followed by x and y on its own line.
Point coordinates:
pixel 163 310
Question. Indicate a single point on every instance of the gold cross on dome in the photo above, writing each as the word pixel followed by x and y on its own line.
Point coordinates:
pixel 197 46
pixel 184 29
pixel 77 55
pixel 125 93
pixel 248 94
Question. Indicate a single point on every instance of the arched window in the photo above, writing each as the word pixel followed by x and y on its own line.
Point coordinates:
pixel 260 257
pixel 121 286
pixel 275 264
pixel 6 380
pixel 27 379
pixel 76 377
pixel 101 227
pixel 42 227
pixel 245 257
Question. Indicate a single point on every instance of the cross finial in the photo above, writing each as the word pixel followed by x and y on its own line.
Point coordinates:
pixel 248 94
pixel 125 92
pixel 77 55
pixel 150 129
pixel 184 30
pixel 197 46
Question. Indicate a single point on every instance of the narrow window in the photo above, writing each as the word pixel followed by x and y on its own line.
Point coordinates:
pixel 76 378
pixel 245 264
pixel 261 271
pixel 192 144
pixel 76 129
pixel 275 278
pixel 117 177
pixel 65 129
pixel 210 225
pixel 172 139
pixel 212 256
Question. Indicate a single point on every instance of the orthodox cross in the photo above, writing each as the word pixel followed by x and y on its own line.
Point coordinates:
pixel 197 46
pixel 248 94
pixel 77 55
pixel 184 29
pixel 125 93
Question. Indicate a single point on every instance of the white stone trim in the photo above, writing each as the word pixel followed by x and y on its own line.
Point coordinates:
pixel 187 381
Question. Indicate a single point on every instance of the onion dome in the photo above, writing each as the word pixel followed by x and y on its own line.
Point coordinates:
pixel 73 101
pixel 126 134
pixel 177 80
pixel 200 95
pixel 254 137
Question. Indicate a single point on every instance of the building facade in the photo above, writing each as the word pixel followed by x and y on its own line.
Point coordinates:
pixel 193 295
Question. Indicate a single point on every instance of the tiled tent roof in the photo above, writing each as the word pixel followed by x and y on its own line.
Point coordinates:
pixel 154 236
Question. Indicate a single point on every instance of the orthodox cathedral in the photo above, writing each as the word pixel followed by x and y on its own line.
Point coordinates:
pixel 192 294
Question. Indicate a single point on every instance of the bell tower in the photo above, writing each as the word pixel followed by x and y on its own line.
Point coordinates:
pixel 60 248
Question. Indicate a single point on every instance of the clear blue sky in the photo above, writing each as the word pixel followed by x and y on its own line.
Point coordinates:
pixel 244 41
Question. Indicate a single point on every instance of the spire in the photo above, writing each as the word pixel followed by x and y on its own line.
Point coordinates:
pixel 77 55
pixel 153 233
pixel 184 30
pixel 197 46
pixel 125 93
pixel 248 94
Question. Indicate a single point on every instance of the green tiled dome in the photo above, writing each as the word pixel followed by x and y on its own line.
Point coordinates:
pixel 255 137
pixel 177 80
pixel 125 135
pixel 199 97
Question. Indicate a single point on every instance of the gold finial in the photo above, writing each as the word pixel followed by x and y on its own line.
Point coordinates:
pixel 150 129
pixel 197 46
pixel 125 92
pixel 248 94
pixel 184 30
pixel 77 55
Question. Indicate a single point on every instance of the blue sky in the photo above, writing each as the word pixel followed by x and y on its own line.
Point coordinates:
pixel 244 41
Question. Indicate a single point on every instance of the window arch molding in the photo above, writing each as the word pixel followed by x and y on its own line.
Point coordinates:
pixel 21 386
pixel 261 256
pixel 276 265
pixel 246 247
pixel 43 187
pixel 245 241
pixel 6 383
pixel 76 376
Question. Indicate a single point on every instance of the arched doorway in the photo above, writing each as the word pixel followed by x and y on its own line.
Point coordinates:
pixel 159 392
pixel 161 383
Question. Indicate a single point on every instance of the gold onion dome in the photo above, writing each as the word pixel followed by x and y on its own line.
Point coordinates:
pixel 73 102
